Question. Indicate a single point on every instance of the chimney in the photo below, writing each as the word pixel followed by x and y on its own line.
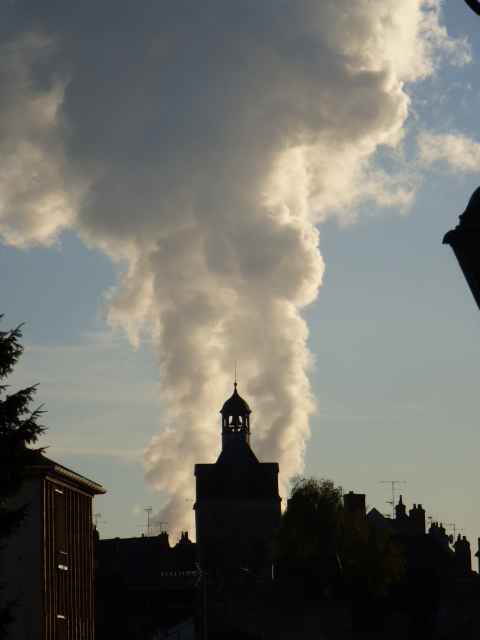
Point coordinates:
pixel 416 523
pixel 354 504
pixel 96 544
pixel 440 532
pixel 463 555
pixel 401 512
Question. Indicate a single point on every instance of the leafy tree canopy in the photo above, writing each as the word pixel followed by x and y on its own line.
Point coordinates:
pixel 18 431
pixel 316 522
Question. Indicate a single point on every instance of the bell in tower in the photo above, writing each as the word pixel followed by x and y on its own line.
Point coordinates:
pixel 235 421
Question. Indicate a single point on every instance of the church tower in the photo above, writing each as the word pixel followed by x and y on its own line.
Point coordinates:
pixel 237 499
pixel 235 421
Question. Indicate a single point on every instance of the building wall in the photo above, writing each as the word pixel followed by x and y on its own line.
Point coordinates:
pixel 227 531
pixel 49 563
pixel 68 563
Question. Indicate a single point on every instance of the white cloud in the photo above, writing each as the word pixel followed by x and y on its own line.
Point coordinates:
pixel 459 152
pixel 202 143
pixel 35 203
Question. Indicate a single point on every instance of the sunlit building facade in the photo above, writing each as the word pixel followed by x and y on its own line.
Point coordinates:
pixel 48 564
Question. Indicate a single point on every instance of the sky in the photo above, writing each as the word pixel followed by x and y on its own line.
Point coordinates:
pixel 188 185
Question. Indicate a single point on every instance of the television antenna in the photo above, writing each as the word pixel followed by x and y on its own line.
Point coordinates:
pixel 97 521
pixel 149 511
pixel 158 524
pixel 450 526
pixel 393 483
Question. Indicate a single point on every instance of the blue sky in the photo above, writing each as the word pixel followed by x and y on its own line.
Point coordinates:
pixel 394 330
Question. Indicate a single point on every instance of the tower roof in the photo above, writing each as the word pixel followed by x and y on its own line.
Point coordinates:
pixel 235 405
pixel 237 475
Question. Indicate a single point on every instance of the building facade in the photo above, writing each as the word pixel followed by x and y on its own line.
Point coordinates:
pixel 48 564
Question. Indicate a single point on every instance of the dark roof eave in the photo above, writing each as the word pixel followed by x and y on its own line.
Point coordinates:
pixel 64 473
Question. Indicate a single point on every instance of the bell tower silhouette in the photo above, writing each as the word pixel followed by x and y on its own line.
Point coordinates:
pixel 235 420
pixel 237 499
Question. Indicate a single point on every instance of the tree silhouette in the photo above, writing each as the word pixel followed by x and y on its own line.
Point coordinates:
pixel 18 429
pixel 315 522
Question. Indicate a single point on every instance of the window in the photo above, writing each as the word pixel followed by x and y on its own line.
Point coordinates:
pixel 61 630
pixel 60 518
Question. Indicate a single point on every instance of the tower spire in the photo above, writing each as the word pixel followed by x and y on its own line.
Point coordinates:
pixel 235 419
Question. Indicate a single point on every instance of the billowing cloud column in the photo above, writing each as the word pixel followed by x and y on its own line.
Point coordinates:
pixel 201 142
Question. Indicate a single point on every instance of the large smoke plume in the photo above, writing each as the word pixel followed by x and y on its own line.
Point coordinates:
pixel 201 143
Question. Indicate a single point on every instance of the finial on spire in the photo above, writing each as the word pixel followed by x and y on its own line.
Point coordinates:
pixel 235 383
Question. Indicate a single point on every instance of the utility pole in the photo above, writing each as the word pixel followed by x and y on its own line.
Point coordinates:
pixel 393 483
